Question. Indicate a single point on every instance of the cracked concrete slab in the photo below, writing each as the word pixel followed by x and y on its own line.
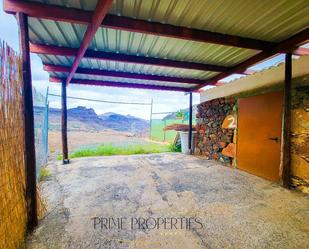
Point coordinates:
pixel 236 209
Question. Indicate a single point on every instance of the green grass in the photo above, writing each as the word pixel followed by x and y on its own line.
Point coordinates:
pixel 175 148
pixel 44 173
pixel 110 150
pixel 157 129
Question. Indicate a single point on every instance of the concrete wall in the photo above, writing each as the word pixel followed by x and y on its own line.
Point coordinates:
pixel 267 78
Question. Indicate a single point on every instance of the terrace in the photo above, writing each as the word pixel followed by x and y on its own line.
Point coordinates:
pixel 181 46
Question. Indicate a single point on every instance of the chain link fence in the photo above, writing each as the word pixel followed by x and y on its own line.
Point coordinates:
pixel 40 110
pixel 160 120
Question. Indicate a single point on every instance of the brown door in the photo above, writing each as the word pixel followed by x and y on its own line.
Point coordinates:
pixel 259 135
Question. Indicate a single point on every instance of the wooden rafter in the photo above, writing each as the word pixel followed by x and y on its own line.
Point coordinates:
pixel 121 84
pixel 117 74
pixel 58 13
pixel 288 44
pixel 72 15
pixel 100 55
pixel 98 15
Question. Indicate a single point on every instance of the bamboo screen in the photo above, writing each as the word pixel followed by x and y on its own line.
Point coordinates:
pixel 12 167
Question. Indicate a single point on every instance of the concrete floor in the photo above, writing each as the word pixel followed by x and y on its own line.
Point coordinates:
pixel 237 210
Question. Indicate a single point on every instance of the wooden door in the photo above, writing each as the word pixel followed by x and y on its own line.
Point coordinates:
pixel 259 134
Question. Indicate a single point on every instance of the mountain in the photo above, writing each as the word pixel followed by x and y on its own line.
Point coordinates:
pixel 124 123
pixel 86 119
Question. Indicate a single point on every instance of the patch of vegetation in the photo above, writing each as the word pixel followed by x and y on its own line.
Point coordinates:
pixel 175 148
pixel 180 114
pixel 110 150
pixel 44 173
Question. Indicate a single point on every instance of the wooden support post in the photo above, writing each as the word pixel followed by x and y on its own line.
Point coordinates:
pixel 190 124
pixel 286 124
pixel 30 165
pixel 64 123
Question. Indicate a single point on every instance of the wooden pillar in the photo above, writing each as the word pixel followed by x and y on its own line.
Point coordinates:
pixel 190 124
pixel 286 124
pixel 30 164
pixel 64 123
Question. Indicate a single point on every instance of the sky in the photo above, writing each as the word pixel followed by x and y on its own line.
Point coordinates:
pixel 163 101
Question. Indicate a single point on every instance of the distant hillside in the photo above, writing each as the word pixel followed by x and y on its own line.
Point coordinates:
pixel 120 122
pixel 86 119
pixel 185 111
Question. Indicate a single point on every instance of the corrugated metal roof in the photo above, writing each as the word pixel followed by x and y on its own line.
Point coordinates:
pixel 109 40
pixel 57 60
pixel 264 20
pixel 127 67
pixel 145 69
pixel 49 32
pixel 260 19
pixel 122 80
pixel 168 48
pixel 78 4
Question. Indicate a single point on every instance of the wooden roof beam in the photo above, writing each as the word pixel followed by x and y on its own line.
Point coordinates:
pixel 121 84
pixel 100 55
pixel 72 15
pixel 108 73
pixel 289 44
pixel 99 13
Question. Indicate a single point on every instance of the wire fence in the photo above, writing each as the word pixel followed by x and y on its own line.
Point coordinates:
pixel 155 129
pixel 40 110
pixel 84 112
pixel 160 120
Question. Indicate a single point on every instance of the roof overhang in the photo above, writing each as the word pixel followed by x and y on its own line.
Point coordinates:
pixel 265 79
pixel 154 46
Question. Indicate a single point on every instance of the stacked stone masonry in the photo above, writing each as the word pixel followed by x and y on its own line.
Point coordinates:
pixel 211 138
pixel 300 138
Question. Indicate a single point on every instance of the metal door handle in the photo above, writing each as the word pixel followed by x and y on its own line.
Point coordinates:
pixel 276 139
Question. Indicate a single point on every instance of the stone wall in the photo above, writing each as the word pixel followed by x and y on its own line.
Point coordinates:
pixel 212 141
pixel 300 138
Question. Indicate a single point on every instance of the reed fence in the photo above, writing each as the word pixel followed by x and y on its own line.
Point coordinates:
pixel 13 215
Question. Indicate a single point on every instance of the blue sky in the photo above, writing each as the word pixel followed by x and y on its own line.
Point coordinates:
pixel 163 101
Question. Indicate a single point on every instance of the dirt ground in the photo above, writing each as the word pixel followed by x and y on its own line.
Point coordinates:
pixel 235 209
pixel 79 139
